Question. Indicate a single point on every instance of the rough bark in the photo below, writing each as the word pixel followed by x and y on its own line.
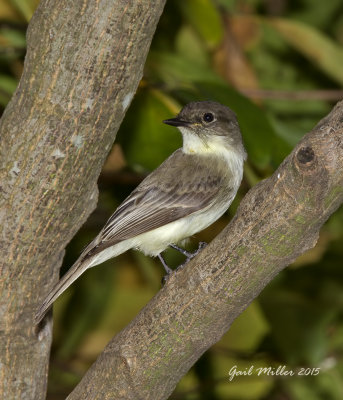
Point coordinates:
pixel 278 220
pixel 84 61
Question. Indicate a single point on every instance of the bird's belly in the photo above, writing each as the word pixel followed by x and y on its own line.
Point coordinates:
pixel 157 240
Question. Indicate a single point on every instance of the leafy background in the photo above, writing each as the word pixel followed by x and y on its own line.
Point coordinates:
pixel 278 64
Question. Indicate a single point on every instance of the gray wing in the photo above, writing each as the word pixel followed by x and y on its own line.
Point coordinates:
pixel 152 205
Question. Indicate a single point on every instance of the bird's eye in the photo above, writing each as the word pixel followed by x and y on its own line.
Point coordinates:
pixel 208 117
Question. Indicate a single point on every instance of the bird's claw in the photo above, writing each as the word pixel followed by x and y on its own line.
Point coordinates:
pixel 201 246
pixel 188 256
pixel 165 278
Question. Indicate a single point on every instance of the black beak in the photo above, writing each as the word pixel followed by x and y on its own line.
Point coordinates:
pixel 176 122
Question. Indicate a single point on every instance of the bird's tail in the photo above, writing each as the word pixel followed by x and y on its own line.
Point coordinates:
pixel 74 272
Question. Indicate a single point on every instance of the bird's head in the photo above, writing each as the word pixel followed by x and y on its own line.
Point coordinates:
pixel 207 125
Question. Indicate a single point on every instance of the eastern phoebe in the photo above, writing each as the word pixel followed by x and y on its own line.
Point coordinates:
pixel 184 195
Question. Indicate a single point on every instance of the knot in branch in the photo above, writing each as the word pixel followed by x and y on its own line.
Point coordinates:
pixel 305 155
pixel 306 160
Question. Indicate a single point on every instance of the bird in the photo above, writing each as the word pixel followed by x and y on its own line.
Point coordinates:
pixel 189 191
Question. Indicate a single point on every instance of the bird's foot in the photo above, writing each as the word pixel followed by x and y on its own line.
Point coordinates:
pixel 164 279
pixel 166 268
pixel 182 251
pixel 187 254
pixel 201 246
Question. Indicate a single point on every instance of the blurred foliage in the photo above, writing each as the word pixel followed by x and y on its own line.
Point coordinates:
pixel 278 65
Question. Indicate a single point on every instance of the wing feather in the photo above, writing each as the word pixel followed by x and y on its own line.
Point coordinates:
pixel 156 203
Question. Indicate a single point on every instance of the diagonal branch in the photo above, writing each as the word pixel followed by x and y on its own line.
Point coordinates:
pixel 278 220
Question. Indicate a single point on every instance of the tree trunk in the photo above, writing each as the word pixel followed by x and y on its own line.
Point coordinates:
pixel 278 220
pixel 84 62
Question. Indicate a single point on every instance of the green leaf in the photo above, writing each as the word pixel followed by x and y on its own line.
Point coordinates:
pixel 299 325
pixel 7 88
pixel 205 19
pixel 12 38
pixel 190 46
pixel 299 389
pixel 247 330
pixel 8 12
pixel 146 141
pixel 25 7
pixel 314 45
pixel 326 385
pixel 290 133
pixel 176 71
pixel 313 13
pixel 85 311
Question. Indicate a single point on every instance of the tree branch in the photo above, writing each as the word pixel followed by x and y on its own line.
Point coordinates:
pixel 83 64
pixel 278 220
